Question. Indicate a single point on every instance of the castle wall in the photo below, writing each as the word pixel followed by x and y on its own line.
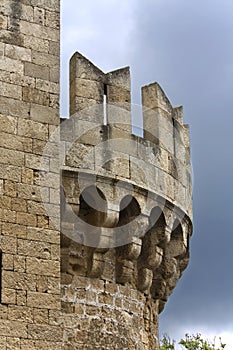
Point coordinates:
pixel 90 264
pixel 29 111
pixel 126 211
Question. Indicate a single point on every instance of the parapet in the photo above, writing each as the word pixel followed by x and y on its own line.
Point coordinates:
pixel 127 202
pixel 101 112
pixel 89 85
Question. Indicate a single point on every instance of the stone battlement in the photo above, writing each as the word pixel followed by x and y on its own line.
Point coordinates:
pixel 158 162
pixel 95 221
pixel 127 208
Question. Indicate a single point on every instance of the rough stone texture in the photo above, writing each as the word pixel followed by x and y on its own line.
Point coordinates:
pixel 112 293
pixel 97 277
pixel 30 278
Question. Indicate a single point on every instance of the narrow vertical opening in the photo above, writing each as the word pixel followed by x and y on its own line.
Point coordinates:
pixel 105 104
pixel 137 119
pixel 174 136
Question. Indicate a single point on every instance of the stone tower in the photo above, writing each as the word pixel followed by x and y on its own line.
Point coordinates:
pixel 95 221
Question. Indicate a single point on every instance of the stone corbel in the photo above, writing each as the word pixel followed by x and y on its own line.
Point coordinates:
pixel 175 248
pixel 154 257
pixel 96 264
pixel 126 255
pixel 170 267
pixel 183 263
pixel 145 277
pixel 151 263
pixel 124 271
pixel 158 288
pixel 132 250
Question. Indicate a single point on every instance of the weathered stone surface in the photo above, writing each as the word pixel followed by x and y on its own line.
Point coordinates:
pixel 30 251
pixel 94 271
pixel 32 129
pixel 36 71
pixel 154 179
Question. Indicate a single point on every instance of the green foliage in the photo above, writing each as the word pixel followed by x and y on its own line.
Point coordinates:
pixel 166 344
pixel 191 342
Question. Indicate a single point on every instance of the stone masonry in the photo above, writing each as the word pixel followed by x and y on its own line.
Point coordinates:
pixel 94 221
pixel 29 111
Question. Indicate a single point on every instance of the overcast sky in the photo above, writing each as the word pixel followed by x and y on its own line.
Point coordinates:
pixel 187 47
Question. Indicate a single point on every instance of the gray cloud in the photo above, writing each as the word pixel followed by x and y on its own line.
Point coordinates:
pixel 100 31
pixel 186 46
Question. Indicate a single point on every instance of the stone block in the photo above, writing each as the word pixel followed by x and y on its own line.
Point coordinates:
pixel 34 162
pixel 42 267
pixel 120 128
pixel 80 156
pixel 142 173
pixel 49 179
pixel 8 262
pixel 44 300
pixel 84 104
pixel 45 59
pixel 51 5
pixel 15 230
pixel 154 97
pixel 19 264
pixel 54 48
pixel 15 142
pixel 45 332
pixel 32 192
pixel 18 53
pixel 37 44
pixel 44 114
pixel 34 249
pixel 37 96
pixel 19 204
pixel 11 90
pixel 87 89
pixel 54 74
pixel 11 65
pixel 10 172
pixel 27 176
pixel 32 129
pixel 118 95
pixel 18 281
pixel 81 67
pixel 13 108
pixel 41 316
pixel 112 162
pixel 12 157
pixel 52 19
pixel 38 31
pixel 54 101
pixel 13 328
pixel 8 296
pixel 5 202
pixel 9 188
pixel 7 215
pixel 8 124
pixel 25 219
pixel 20 313
pixel 39 15
pixel 36 71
